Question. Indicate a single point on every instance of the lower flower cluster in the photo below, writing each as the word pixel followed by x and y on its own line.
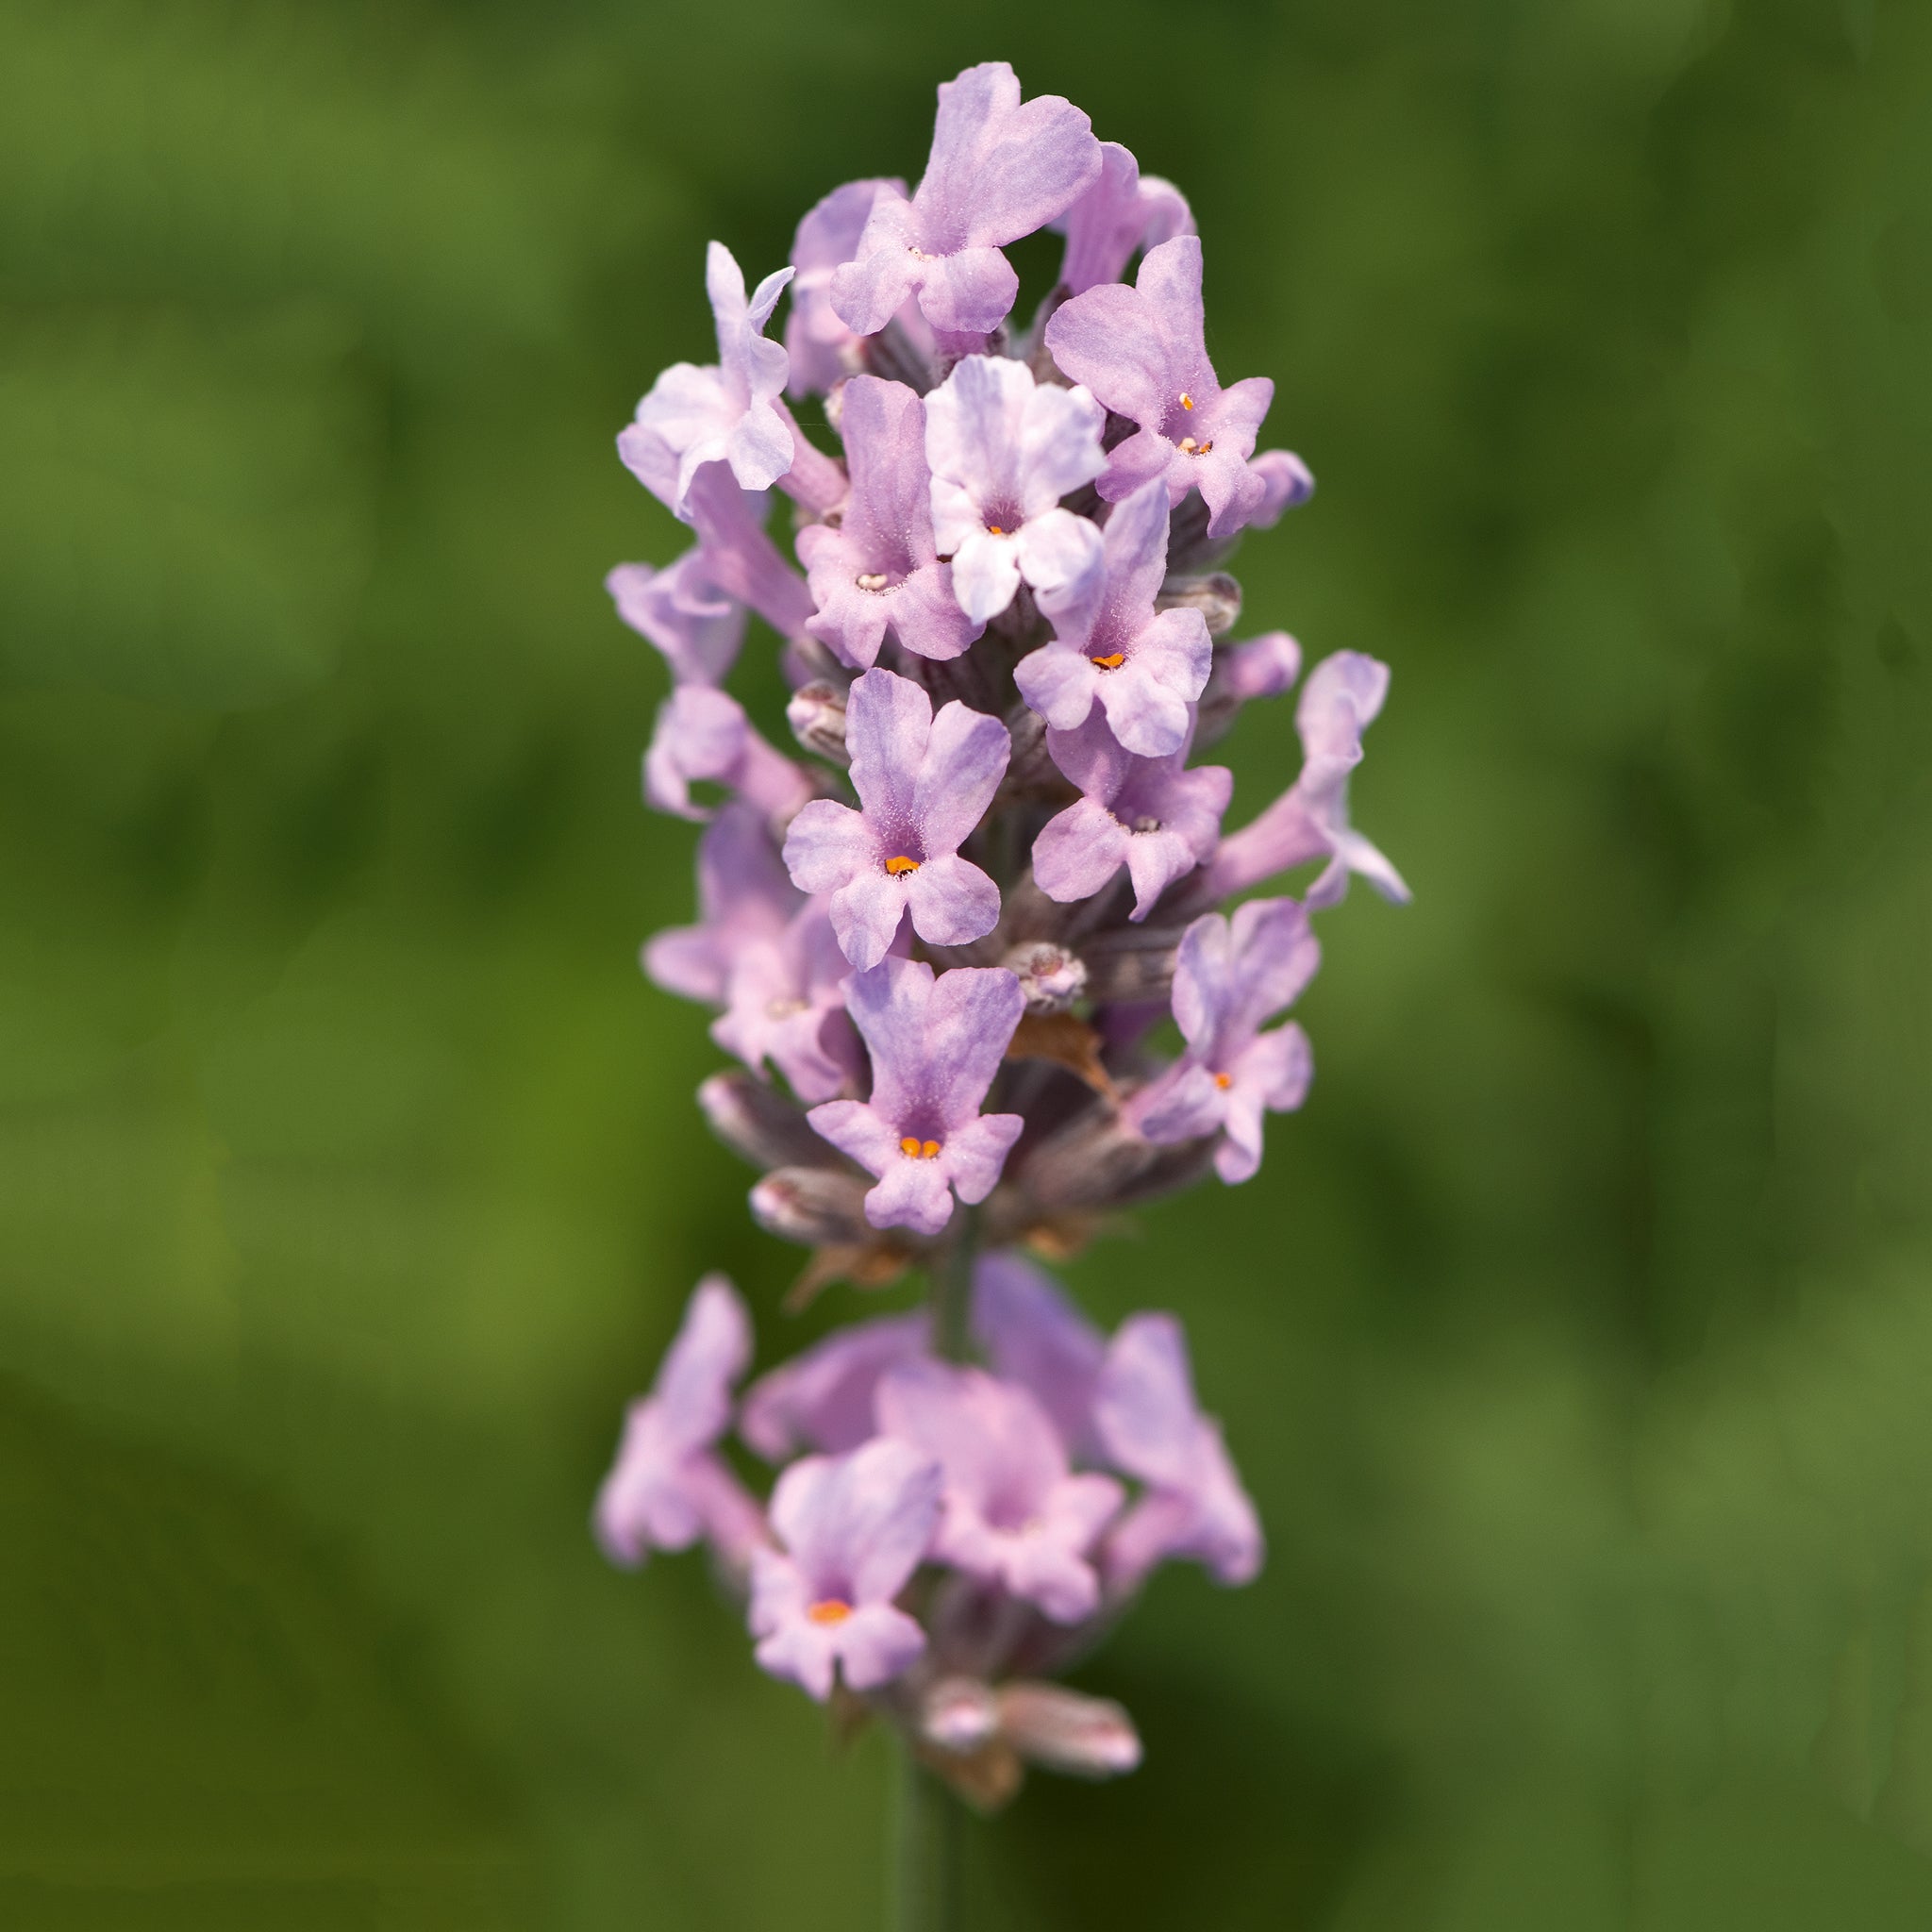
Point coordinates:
pixel 942 1537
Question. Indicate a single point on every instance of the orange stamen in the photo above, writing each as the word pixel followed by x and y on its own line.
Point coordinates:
pixel 913 1148
pixel 1223 1081
pixel 1186 401
pixel 831 1611
pixel 995 530
pixel 1112 661
pixel 900 865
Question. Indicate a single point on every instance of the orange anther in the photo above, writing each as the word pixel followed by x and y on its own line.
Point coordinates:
pixel 1223 1081
pixel 900 865
pixel 1112 661
pixel 831 1611
pixel 1186 401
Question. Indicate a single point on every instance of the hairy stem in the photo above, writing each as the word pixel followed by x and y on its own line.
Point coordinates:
pixel 951 1283
pixel 926 1842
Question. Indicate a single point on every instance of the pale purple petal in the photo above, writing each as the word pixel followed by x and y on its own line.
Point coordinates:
pixel 822 1399
pixel 1059 681
pixel 986 572
pixel 974 1153
pixel 969 1017
pixel 1270 1074
pixel 1035 1337
pixel 1264 667
pixel 865 292
pixel 1286 483
pixel 1079 850
pixel 965 758
pixel 820 346
pixel 697 627
pixel 1102 339
pixel 888 1006
pixel 969 291
pixel 867 912
pixel 826 844
pixel 1060 443
pixel 1155 860
pixel 858 1525
pixel 951 902
pixel 857 1128
pixel 912 1192
pixel 1058 552
pixel 700 734
pixel 1186 1103
pixel 1123 212
pixel 887 726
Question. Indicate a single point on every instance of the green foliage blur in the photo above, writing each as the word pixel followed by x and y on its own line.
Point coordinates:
pixel 1575 1341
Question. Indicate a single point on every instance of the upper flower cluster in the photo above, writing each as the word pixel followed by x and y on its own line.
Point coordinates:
pixel 942 942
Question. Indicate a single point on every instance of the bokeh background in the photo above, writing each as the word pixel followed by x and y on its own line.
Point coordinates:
pixel 1575 1341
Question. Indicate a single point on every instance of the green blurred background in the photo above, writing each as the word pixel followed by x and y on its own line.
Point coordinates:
pixel 1575 1341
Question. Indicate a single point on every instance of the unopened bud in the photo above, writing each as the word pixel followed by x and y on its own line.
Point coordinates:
pixel 959 1714
pixel 1063 1730
pixel 816 1206
pixel 1216 595
pixel 1262 668
pixel 1099 1161
pixel 817 717
pixel 754 1119
pixel 1051 977
pixel 1131 962
pixel 1288 481
pixel 1030 770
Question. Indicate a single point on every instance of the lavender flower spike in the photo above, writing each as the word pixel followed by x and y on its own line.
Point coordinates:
pixel 1229 976
pixel 1122 213
pixel 667 1486
pixel 1004 450
pixel 1034 1336
pixel 997 171
pixel 1340 700
pixel 1141 351
pixel 1194 1506
pixel 923 782
pixel 880 568
pixel 1110 647
pixel 1151 815
pixel 723 412
pixel 1011 1513
pixel 855 1529
pixel 697 627
pixel 935 1048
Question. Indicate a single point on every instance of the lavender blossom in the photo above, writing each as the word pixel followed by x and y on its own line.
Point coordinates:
pixel 1012 1512
pixel 669 1487
pixel 1004 450
pixel 1149 814
pixel 1230 976
pixel 1142 351
pixel 1143 668
pixel 1193 1506
pixel 823 351
pixel 923 783
pixel 935 1046
pixel 1340 700
pixel 704 734
pixel 699 628
pixel 1037 1338
pixel 853 1528
pixel 1123 212
pixel 880 569
pixel 997 171
pixel 723 412
pixel 822 1399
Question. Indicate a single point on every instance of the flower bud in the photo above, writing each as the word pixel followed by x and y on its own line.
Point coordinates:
pixel 816 1206
pixel 817 716
pixel 1063 1730
pixel 1050 977
pixel 959 1714
pixel 1217 596
pixel 1097 1161
pixel 755 1120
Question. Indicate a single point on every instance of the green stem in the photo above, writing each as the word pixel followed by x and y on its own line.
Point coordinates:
pixel 950 1277
pixel 925 1853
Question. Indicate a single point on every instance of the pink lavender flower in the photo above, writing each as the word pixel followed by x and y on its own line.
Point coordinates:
pixel 923 783
pixel 723 412
pixel 697 627
pixel 853 1528
pixel 822 1399
pixel 1143 668
pixel 667 1486
pixel 997 171
pixel 1193 1506
pixel 1230 976
pixel 880 568
pixel 703 734
pixel 1142 351
pixel 823 351
pixel 935 1048
pixel 1149 814
pixel 1037 1338
pixel 1012 1511
pixel 1004 450
pixel 1340 700
pixel 1123 212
